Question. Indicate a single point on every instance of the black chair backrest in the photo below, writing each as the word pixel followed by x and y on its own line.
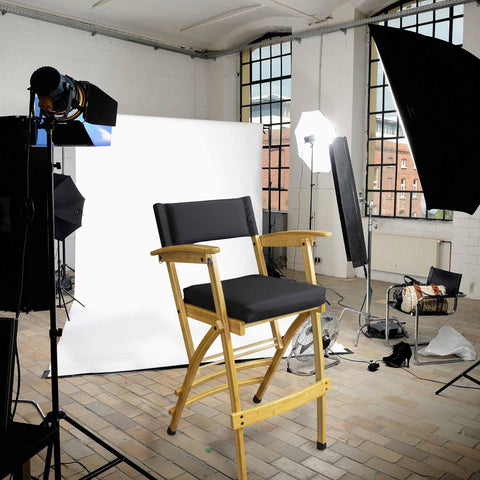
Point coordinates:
pixel 450 280
pixel 191 222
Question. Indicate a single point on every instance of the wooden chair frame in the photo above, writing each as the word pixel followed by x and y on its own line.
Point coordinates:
pixel 221 325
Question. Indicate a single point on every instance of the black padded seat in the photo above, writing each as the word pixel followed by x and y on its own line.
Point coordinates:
pixel 257 297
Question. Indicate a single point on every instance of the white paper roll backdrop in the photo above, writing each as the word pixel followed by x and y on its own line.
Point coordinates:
pixel 130 321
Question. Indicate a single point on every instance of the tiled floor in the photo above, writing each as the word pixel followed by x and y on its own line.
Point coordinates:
pixel 387 424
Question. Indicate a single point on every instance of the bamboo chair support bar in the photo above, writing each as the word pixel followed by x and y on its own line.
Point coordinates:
pixel 287 338
pixel 264 362
pixel 268 341
pixel 213 391
pixel 240 355
pixel 280 405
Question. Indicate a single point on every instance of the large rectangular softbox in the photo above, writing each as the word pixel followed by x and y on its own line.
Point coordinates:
pixel 22 171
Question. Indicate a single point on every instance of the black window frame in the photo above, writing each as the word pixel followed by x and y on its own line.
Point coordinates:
pixel 276 140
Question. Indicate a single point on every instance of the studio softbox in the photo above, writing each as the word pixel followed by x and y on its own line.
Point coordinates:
pixel 436 88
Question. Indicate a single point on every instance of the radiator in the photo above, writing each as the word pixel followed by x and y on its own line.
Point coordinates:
pixel 406 255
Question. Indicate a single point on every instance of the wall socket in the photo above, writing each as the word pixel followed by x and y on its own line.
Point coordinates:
pixel 317 260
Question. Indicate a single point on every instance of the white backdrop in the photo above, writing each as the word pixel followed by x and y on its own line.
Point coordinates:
pixel 130 321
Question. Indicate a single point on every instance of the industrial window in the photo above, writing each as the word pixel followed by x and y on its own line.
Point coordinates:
pixel 265 95
pixel 388 152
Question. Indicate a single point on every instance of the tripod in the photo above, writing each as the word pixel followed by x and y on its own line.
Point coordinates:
pixel 368 274
pixel 64 282
pixel 28 439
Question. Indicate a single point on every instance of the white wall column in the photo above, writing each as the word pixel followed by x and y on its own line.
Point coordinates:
pixel 328 73
pixel 466 237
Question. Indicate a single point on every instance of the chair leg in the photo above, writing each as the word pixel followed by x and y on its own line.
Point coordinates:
pixel 232 381
pixel 319 373
pixel 192 370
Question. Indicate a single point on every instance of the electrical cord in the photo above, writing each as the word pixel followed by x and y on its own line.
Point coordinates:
pixel 30 211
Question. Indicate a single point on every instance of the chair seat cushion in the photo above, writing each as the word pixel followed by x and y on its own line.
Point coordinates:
pixel 256 297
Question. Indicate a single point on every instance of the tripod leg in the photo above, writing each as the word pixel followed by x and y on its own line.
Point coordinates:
pixel 463 374
pixel 48 462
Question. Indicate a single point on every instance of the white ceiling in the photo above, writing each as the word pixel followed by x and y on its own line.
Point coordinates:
pixel 202 24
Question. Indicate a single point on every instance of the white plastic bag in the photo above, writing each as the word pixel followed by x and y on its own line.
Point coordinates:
pixel 449 342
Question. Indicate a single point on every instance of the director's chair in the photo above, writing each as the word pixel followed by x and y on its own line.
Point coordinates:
pixel 231 306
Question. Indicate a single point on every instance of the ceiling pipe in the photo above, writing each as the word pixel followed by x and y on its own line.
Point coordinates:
pixel 340 27
pixel 212 55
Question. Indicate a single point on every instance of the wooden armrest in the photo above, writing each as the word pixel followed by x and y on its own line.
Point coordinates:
pixel 291 238
pixel 188 253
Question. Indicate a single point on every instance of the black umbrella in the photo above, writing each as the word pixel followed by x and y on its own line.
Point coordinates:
pixel 436 87
pixel 68 206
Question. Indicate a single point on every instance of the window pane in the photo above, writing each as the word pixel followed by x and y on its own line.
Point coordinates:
pixel 256 114
pixel 276 49
pixel 286 89
pixel 375 198
pixel 266 113
pixel 265 91
pixel 374 178
pixel 286 48
pixel 373 50
pixel 255 71
pixel 256 93
pixel 442 13
pixel 442 30
pixel 409 21
pixel 426 30
pixel 395 23
pixel 245 73
pixel 285 111
pixel 376 74
pixel 276 67
pixel 265 69
pixel 403 204
pixel 265 52
pixel 275 86
pixel 388 177
pixel 245 94
pixel 276 112
pixel 286 66
pixel 256 54
pixel 457 33
pixel 376 99
pixel 374 152
pixel 388 204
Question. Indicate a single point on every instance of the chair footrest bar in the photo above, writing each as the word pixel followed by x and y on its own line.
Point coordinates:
pixel 280 405
pixel 215 390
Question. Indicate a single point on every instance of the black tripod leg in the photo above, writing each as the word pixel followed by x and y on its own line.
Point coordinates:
pixel 458 377
pixel 109 448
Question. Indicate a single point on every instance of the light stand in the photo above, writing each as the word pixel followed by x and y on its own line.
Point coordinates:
pixel 310 139
pixel 368 295
pixel 62 100
pixel 53 418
